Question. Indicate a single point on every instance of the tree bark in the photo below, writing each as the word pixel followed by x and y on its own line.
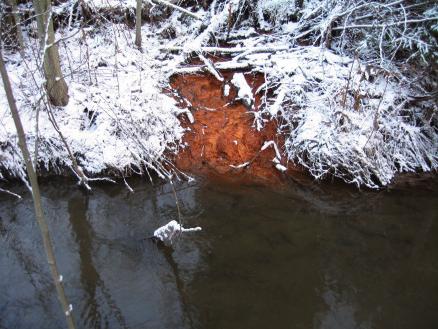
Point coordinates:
pixel 138 24
pixel 39 214
pixel 55 84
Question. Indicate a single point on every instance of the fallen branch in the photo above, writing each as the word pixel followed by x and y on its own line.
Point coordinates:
pixel 219 66
pixel 234 50
pixel 210 67
pixel 171 5
pixel 257 50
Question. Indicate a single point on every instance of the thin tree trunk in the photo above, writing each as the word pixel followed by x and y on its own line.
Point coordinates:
pixel 138 24
pixel 56 86
pixel 39 214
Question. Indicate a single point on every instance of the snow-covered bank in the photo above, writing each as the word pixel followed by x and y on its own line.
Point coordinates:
pixel 362 118
pixel 347 119
pixel 358 106
pixel 117 117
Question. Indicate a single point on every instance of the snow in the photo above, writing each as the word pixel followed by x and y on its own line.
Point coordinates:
pixel 226 90
pixel 267 144
pixel 242 165
pixel 244 91
pixel 280 167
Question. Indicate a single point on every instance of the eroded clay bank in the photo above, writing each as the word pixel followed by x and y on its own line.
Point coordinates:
pixel 223 141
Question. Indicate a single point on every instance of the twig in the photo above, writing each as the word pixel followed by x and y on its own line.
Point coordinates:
pixel 130 189
pixel 11 193
pixel 180 220
pixel 344 99
pixel 375 123
pixel 87 54
pixel 101 179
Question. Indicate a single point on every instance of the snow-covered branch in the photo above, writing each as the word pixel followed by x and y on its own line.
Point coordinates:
pixel 232 50
pixel 231 65
pixel 169 232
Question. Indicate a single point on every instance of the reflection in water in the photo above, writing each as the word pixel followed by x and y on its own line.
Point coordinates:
pixel 168 253
pixel 310 256
pixel 340 313
pixel 30 268
pixel 90 279
pixel 89 275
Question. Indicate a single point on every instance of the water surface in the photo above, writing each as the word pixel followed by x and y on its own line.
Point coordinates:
pixel 306 256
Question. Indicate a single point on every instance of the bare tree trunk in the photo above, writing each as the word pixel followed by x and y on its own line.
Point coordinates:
pixel 13 4
pixel 138 24
pixel 56 87
pixel 39 214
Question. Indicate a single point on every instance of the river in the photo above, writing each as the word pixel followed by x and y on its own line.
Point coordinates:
pixel 302 256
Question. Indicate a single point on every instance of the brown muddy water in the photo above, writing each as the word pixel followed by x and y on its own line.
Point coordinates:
pixel 308 256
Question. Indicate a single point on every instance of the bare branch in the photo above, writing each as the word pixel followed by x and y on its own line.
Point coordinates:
pixel 376 26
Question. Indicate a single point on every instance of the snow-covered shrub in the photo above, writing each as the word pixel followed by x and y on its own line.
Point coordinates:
pixel 384 32
pixel 339 123
pixel 275 11
pixel 381 31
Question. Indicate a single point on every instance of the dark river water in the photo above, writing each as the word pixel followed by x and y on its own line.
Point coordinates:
pixel 305 256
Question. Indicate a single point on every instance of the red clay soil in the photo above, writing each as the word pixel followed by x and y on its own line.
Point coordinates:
pixel 223 134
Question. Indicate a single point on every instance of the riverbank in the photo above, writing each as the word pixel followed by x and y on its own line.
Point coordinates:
pixel 254 105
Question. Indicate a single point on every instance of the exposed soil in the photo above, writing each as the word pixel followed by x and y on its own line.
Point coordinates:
pixel 223 134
